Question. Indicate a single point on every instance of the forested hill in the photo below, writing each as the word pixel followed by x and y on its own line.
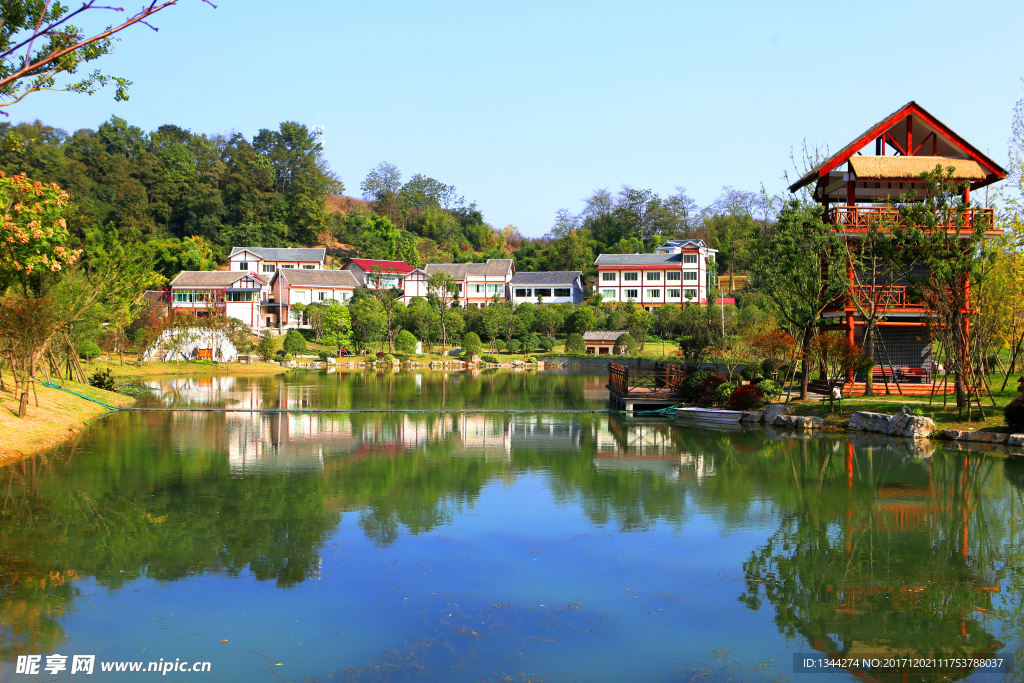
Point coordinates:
pixel 190 197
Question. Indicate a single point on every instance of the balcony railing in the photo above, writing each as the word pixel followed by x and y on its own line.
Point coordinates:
pixel 865 217
pixel 884 297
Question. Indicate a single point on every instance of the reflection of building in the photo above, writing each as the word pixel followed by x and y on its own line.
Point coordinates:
pixel 637 445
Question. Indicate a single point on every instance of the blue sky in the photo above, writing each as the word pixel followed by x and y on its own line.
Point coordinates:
pixel 527 107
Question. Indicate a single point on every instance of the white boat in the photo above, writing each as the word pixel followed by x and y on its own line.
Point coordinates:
pixel 709 414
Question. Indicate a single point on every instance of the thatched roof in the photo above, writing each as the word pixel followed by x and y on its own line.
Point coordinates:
pixel 912 167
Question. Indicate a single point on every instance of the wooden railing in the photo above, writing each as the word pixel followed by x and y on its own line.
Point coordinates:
pixel 884 297
pixel 662 379
pixel 864 217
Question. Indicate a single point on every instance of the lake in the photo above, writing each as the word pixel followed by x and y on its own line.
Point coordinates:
pixel 546 544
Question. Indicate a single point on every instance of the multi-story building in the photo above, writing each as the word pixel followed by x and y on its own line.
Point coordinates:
pixel 478 283
pixel 855 186
pixel 547 287
pixel 304 287
pixel 379 274
pixel 677 275
pixel 237 294
pixel 264 262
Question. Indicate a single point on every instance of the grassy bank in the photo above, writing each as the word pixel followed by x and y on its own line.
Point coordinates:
pixel 59 417
pixel 134 368
pixel 946 418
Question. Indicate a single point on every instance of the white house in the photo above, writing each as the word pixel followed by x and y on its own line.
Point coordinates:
pixel 676 275
pixel 265 262
pixel 547 287
pixel 380 274
pixel 309 286
pixel 237 294
pixel 478 283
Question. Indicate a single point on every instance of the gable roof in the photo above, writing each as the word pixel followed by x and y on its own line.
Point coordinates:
pixel 283 254
pixel 638 260
pixel 212 278
pixel 896 127
pixel 603 335
pixel 546 277
pixel 399 267
pixel 317 278
pixel 459 271
pixel 912 167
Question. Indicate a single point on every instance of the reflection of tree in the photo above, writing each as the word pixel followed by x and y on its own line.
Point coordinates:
pixel 888 566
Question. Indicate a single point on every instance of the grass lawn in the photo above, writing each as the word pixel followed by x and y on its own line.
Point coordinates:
pixel 133 368
pixel 946 418
pixel 59 416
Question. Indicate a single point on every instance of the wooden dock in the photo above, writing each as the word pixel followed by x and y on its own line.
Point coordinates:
pixel 636 388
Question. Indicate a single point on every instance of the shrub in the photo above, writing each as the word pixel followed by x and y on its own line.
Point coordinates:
pixel 499 345
pixel 751 373
pixel 287 357
pixel 546 344
pixel 388 358
pixel 531 359
pixel 294 343
pixel 512 346
pixel 265 347
pixel 770 388
pixel 530 342
pixel 323 356
pixel 746 397
pixel 723 392
pixel 88 350
pixel 736 379
pixel 575 344
pixel 405 343
pixel 1014 414
pixel 102 380
pixel 691 382
pixel 489 359
pixel 704 392
pixel 471 344
pixel 625 344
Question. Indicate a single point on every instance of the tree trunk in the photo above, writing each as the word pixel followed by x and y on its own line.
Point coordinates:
pixel 869 346
pixel 23 405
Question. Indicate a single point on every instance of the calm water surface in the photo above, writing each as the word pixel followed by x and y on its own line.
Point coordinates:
pixel 475 546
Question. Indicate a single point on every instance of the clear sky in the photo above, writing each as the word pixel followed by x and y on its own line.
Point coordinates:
pixel 527 107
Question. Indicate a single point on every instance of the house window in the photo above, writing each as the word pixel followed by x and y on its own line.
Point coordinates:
pixel 299 295
pixel 608 293
pixel 690 275
pixel 460 289
pixel 309 267
pixel 240 296
pixel 690 293
pixel 476 289
pixel 631 293
pixel 543 292
pixel 689 258
pixel 495 289
pixel 653 293
pixel 563 291
pixel 322 296
pixel 608 277
pixel 524 292
pixel 653 276
pixel 244 265
pixel 269 268
pixel 287 266
pixel 673 294
pixel 672 275
pixel 631 277
pixel 183 296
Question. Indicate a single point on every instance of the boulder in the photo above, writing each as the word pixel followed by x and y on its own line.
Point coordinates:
pixel 863 421
pixel 796 422
pixel 903 423
pixel 773 410
pixel 1015 440
pixel 977 437
pixel 752 416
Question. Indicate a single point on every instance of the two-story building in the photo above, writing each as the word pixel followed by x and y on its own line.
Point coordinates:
pixel 380 274
pixel 305 287
pixel 478 283
pixel 264 262
pixel 237 294
pixel 547 287
pixel 677 275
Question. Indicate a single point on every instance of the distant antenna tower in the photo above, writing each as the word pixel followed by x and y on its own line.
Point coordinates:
pixel 318 131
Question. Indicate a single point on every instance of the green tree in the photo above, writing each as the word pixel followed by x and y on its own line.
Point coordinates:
pixel 574 343
pixel 294 343
pixel 266 347
pixel 798 263
pixel 405 343
pixel 471 344
pixel 442 293
pixel 581 321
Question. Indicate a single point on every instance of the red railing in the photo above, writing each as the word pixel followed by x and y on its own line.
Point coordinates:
pixel 864 217
pixel 883 297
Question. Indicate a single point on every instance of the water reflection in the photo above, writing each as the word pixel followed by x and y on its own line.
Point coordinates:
pixel 853 546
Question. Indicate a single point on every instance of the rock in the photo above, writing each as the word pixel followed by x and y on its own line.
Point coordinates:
pixel 977 437
pixel 864 421
pixel 752 416
pixel 1015 440
pixel 905 423
pixel 773 410
pixel 796 422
